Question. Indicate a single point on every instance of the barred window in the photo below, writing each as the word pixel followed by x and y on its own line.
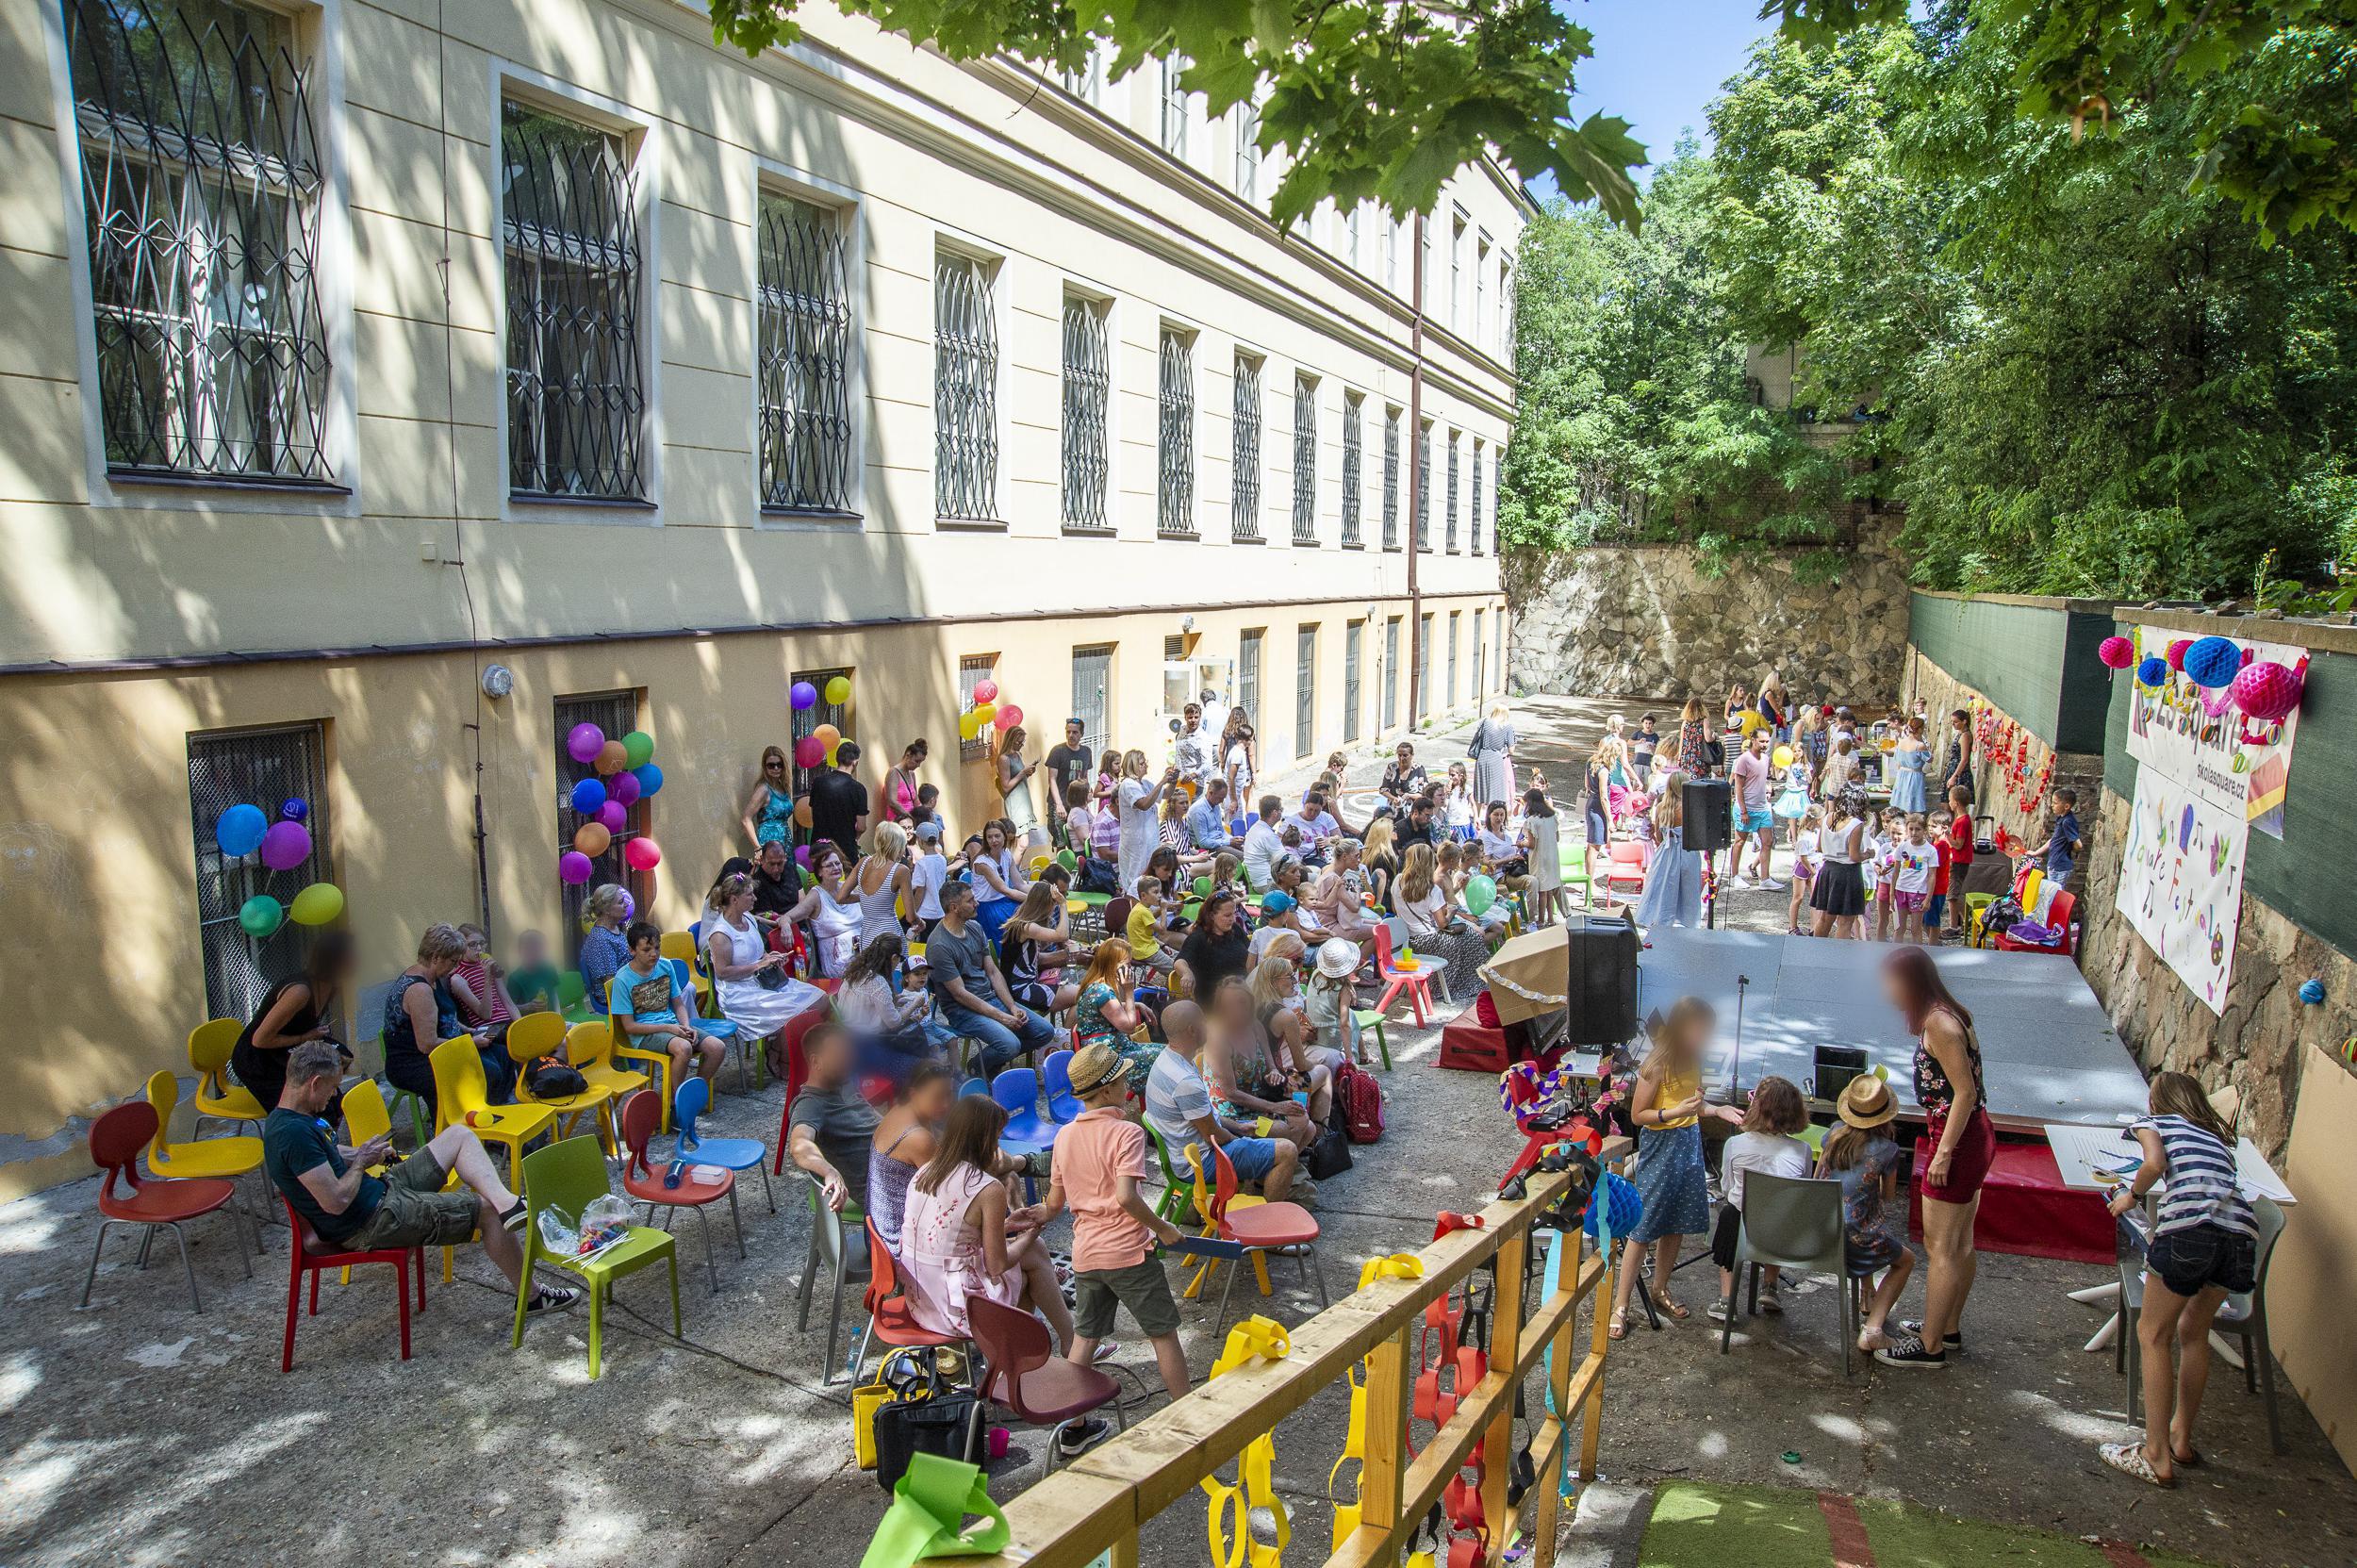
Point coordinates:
pixel 1498 485
pixel 1451 540
pixel 1305 689
pixel 1482 658
pixel 1481 290
pixel 1352 225
pixel 966 388
pixel 1354 633
pixel 1474 515
pixel 1088 83
pixel 1087 397
pixel 1304 459
pixel 201 185
pixel 1354 413
pixel 262 768
pixel 1390 672
pixel 1248 150
pixel 805 311
pixel 576 396
pixel 1174 441
pixel 1173 107
pixel 1391 481
pixel 1245 459
pixel 1455 270
pixel 1424 487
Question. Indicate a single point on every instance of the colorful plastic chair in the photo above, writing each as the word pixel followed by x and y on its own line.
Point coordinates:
pixel 1027 1131
pixel 211 1044
pixel 224 1159
pixel 1172 1205
pixel 1022 1373
pixel 797 1071
pixel 308 1255
pixel 732 1154
pixel 657 1062
pixel 1417 982
pixel 1372 1019
pixel 568 1177
pixel 1253 1223
pixel 1624 868
pixel 750 1074
pixel 643 1181
pixel 573 997
pixel 538 1034
pixel 461 1098
pixel 1063 1106
pixel 679 946
pixel 589 1047
pixel 832 1234
pixel 115 1141
pixel 2058 917
pixel 891 1321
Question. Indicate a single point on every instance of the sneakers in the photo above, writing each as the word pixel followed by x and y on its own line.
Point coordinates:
pixel 1772 1301
pixel 1908 1351
pixel 1740 884
pixel 513 1216
pixel 551 1298
pixel 1769 885
pixel 1717 1312
pixel 1955 1341
pixel 1077 1438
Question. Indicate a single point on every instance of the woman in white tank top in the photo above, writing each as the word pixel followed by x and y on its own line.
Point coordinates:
pixel 880 879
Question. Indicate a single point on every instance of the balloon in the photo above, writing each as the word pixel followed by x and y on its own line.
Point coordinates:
pixel 573 867
pixel 239 830
pixel 612 758
pixel 295 810
pixel 1617 1203
pixel 624 789
pixel 588 796
pixel 809 751
pixel 641 854
pixel 2213 662
pixel 2266 690
pixel 630 906
pixel 802 856
pixel 1480 893
pixel 1009 716
pixel 838 691
pixel 591 838
pixel 2119 652
pixel 2153 671
pixel 827 736
pixel 986 713
pixel 583 743
pixel 638 746
pixel 261 915
pixel 286 846
pixel 985 690
pixel 1782 756
pixel 650 779
pixel 803 696
pixel 801 812
pixel 2312 991
pixel 969 726
pixel 317 904
pixel 613 815
pixel 2177 651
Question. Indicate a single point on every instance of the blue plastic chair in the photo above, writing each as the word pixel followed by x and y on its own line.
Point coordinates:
pixel 973 1086
pixel 1063 1104
pixel 1027 1132
pixel 733 1154
pixel 685 973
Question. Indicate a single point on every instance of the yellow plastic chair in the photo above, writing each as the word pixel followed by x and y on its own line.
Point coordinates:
pixel 366 1116
pixel 658 1067
pixel 538 1034
pixel 223 1159
pixel 590 1049
pixel 682 945
pixel 461 1098
pixel 568 1177
pixel 217 1099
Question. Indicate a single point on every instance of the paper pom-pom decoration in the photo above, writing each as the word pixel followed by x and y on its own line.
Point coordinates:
pixel 1615 1203
pixel 2213 662
pixel 2311 992
pixel 2176 654
pixel 2153 671
pixel 2266 690
pixel 2119 652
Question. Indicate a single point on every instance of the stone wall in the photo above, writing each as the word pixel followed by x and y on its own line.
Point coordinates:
pixel 1993 795
pixel 1641 620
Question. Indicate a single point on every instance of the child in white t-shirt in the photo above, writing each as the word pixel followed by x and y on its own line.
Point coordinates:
pixel 1915 861
pixel 1888 829
pixel 1807 855
pixel 1766 1146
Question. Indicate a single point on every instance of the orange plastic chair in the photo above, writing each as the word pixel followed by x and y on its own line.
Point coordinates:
pixel 1416 982
pixel 461 1098
pixel 115 1141
pixel 643 1181
pixel 890 1318
pixel 1255 1225
pixel 211 1044
pixel 1624 868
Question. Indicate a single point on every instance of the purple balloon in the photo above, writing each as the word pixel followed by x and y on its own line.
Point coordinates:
pixel 614 816
pixel 801 855
pixel 286 846
pixel 573 867
pixel 625 787
pixel 584 742
pixel 804 696
pixel 629 907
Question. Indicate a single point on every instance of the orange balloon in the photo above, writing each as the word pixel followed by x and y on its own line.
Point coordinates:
pixel 613 757
pixel 801 812
pixel 591 838
pixel 827 736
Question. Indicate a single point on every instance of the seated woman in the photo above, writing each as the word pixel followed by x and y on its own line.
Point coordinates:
pixel 1381 860
pixel 1342 900
pixel 487 1010
pixel 1034 944
pixel 1098 853
pixel 755 989
pixel 961 1237
pixel 906 1138
pixel 885 1018
pixel 1501 850
pixel 532 979
pixel 998 876
pixel 1248 1079
pixel 295 1012
pixel 602 950
pixel 1283 1015
pixel 420 1013
pixel 1434 924
pixel 1218 949
pixel 1107 1011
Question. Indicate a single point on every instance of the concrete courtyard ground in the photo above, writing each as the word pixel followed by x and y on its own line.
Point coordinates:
pixel 137 1432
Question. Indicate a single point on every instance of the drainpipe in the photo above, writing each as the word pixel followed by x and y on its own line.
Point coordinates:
pixel 1416 521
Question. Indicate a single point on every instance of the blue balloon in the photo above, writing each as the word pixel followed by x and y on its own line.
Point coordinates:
pixel 2213 662
pixel 241 829
pixel 295 810
pixel 588 796
pixel 1622 1205
pixel 2153 670
pixel 650 778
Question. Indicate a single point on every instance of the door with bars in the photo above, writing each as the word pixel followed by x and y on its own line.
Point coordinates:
pixel 1092 679
pixel 806 722
pixel 615 713
pixel 265 768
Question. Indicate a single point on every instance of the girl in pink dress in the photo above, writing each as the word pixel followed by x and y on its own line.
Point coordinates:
pixel 959 1238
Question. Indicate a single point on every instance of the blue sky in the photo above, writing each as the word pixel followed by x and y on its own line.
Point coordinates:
pixel 1658 62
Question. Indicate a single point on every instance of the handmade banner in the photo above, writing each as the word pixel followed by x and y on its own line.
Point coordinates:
pixel 2198 738
pixel 2181 882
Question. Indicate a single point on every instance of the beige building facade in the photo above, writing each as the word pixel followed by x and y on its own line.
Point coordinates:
pixel 391 387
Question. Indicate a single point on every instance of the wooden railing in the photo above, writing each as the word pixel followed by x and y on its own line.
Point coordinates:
pixel 1095 1507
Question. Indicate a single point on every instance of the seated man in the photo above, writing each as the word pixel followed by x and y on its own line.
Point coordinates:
pixel 1207 823
pixel 1179 1105
pixel 657 1012
pixel 329 1185
pixel 963 973
pixel 829 1125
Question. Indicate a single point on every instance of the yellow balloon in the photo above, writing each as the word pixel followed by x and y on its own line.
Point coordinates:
pixel 591 839
pixel 316 904
pixel 838 691
pixel 985 713
pixel 969 726
pixel 1783 757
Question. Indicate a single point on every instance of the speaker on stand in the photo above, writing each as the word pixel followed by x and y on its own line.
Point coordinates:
pixel 1709 808
pixel 1600 990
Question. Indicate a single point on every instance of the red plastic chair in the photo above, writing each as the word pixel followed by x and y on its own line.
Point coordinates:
pixel 1624 867
pixel 1416 982
pixel 117 1139
pixel 891 1320
pixel 2058 916
pixel 1256 1225
pixel 306 1261
pixel 642 1182
pixel 1021 1372
pixel 797 1073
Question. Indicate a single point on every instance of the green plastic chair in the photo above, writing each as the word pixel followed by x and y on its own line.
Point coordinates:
pixel 1366 1019
pixel 568 1177
pixel 573 997
pixel 1178 1196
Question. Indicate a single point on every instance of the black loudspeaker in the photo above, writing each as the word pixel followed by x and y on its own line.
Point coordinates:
pixel 1601 991
pixel 1709 822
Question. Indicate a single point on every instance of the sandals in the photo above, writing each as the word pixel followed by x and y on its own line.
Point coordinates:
pixel 1617 1330
pixel 2128 1459
pixel 1672 1309
pixel 2190 1460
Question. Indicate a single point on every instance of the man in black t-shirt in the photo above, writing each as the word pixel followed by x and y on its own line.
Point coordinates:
pixel 776 881
pixel 1070 761
pixel 838 802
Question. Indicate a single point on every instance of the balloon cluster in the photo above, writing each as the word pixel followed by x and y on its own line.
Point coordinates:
pixel 283 845
pixel 818 746
pixel 987 712
pixel 625 774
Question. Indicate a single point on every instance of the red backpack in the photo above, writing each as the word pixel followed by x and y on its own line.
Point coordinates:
pixel 1361 1104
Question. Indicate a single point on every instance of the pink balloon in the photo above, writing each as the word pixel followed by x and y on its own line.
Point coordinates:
pixel 624 787
pixel 2265 690
pixel 614 816
pixel 573 867
pixel 1009 716
pixel 641 854
pixel 801 855
pixel 810 751
pixel 285 846
pixel 2119 652
pixel 584 743
pixel 985 691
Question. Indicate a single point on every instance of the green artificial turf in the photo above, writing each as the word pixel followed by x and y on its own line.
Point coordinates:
pixel 1697 1525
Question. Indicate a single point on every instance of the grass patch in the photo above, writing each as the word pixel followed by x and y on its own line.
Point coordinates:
pixel 1698 1526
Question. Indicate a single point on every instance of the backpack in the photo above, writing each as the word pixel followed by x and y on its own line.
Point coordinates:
pixel 1358 1103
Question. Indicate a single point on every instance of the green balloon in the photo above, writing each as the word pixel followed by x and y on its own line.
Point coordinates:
pixel 637 749
pixel 261 915
pixel 1480 893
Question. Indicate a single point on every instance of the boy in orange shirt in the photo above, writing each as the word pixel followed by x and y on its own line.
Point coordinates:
pixel 1100 1159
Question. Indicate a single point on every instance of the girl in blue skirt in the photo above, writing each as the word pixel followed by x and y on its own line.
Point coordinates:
pixel 1666 1103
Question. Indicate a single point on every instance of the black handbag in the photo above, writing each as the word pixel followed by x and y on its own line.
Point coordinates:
pixel 553 1078
pixel 1327 1156
pixel 926 1418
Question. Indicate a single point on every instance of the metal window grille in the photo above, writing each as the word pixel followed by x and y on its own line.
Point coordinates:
pixel 1451 523
pixel 615 713
pixel 1088 83
pixel 1390 255
pixel 1390 672
pixel 965 389
pixel 265 768
pixel 1481 655
pixel 1248 150
pixel 1304 459
pixel 1174 99
pixel 1245 456
pixel 1248 672
pixel 1456 271
pixel 1497 489
pixel 1474 516
pixel 1481 287
pixel 201 185
pixel 973 670
pixel 576 399
pixel 1501 636
pixel 805 318
pixel 1088 384
pixel 1092 678
pixel 1352 225
pixel 1174 505
pixel 1452 657
pixel 1424 487
pixel 1354 413
pixel 1305 689
pixel 1423 665
pixel 1353 635
pixel 1391 479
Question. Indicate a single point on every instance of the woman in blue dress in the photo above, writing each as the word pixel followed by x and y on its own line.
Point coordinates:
pixel 1674 877
pixel 769 809
pixel 1908 761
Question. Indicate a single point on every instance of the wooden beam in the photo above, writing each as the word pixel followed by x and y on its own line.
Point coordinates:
pixel 1505 1342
